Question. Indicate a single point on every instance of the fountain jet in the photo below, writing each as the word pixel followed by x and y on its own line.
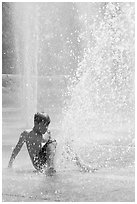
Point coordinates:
pixel 26 29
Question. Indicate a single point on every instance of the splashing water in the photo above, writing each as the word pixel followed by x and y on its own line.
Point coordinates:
pixel 99 118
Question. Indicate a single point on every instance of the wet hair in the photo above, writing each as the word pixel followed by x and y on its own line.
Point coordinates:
pixel 41 117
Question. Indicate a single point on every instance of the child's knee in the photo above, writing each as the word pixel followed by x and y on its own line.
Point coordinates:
pixel 52 146
pixel 51 149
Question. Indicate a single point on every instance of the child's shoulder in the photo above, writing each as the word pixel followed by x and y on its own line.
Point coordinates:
pixel 26 132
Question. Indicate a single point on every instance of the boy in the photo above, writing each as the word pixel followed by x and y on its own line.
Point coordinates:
pixel 42 157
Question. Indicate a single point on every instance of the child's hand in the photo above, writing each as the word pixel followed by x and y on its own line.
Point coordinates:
pixel 10 165
pixel 47 136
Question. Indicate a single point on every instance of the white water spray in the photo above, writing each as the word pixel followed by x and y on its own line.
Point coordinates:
pixel 26 27
pixel 101 108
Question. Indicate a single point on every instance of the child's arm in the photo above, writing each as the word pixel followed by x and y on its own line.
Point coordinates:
pixel 46 137
pixel 17 148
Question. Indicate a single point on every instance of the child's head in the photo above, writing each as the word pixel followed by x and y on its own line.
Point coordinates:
pixel 41 122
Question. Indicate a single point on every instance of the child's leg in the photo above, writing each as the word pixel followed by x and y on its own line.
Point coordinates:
pixel 51 149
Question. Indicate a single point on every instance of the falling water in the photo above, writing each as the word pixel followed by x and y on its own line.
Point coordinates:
pixel 26 28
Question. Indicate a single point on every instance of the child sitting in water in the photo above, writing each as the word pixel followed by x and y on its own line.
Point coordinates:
pixel 42 157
